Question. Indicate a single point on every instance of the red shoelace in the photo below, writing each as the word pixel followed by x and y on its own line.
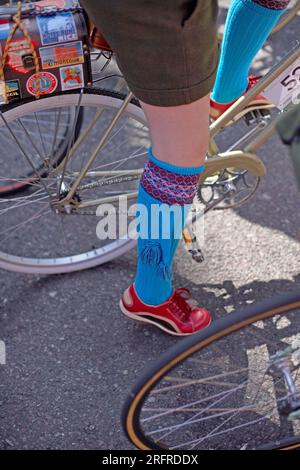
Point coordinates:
pixel 253 79
pixel 179 303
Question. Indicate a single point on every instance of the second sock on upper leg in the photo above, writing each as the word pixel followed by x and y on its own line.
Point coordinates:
pixel 248 25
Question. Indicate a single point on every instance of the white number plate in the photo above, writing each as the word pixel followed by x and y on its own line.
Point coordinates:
pixel 286 88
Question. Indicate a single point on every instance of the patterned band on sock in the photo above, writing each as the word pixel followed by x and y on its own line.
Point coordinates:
pixel 273 4
pixel 168 187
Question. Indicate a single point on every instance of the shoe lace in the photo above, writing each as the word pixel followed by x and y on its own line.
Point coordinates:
pixel 253 79
pixel 179 303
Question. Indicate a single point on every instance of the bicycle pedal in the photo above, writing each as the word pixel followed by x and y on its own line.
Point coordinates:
pixel 197 255
pixel 192 246
pixel 256 116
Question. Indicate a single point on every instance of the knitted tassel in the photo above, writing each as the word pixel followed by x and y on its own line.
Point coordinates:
pixel 151 254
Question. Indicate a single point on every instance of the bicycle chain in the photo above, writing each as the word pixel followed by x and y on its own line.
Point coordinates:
pixel 117 179
pixel 83 212
pixel 93 213
pixel 95 184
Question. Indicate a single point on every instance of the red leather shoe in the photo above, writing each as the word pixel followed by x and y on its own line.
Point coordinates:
pixel 259 102
pixel 175 316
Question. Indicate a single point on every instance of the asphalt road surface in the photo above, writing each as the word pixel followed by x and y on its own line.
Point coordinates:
pixel 72 356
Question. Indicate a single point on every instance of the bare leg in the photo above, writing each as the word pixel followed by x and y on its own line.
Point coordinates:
pixel 179 134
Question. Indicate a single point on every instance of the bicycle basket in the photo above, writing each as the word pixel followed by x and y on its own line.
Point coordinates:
pixel 288 128
pixel 44 49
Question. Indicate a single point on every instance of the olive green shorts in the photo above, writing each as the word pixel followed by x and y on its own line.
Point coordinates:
pixel 167 50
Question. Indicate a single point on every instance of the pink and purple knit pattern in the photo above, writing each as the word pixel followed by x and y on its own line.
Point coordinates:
pixel 273 4
pixel 168 187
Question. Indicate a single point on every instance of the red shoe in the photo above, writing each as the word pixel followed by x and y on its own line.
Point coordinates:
pixel 175 316
pixel 260 102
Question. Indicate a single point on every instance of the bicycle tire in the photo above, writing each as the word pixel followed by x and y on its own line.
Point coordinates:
pixel 175 355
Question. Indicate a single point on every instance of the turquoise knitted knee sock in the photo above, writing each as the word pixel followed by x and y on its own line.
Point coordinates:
pixel 248 24
pixel 166 193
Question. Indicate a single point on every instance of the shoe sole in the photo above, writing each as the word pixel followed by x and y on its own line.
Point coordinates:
pixel 152 322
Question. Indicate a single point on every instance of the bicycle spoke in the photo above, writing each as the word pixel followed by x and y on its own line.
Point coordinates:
pixel 31 141
pixel 56 129
pixel 22 151
pixel 199 381
pixel 16 227
pixel 71 141
pixel 40 134
pixel 186 422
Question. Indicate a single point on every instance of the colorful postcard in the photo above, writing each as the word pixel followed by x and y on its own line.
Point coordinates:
pixel 62 54
pixel 57 28
pixel 72 77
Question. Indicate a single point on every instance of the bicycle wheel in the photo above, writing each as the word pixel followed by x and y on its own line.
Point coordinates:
pixel 37 234
pixel 226 386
